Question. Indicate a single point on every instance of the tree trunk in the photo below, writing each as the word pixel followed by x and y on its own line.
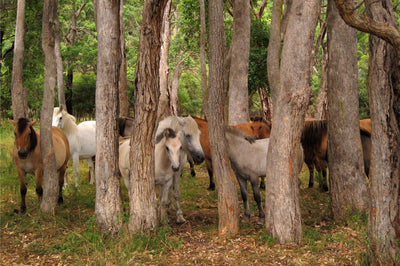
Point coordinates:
pixel 60 75
pixel 348 189
pixel 239 67
pixel 174 89
pixel 18 92
pixel 203 64
pixel 383 88
pixel 284 160
pixel 274 50
pixel 108 202
pixel 123 81
pixel 322 98
pixel 228 205
pixel 142 197
pixel 164 102
pixel 50 180
pixel 266 105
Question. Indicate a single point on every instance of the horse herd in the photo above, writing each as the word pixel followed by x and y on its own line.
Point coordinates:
pixel 178 140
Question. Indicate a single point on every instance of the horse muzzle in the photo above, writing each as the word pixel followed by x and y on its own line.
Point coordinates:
pixel 175 168
pixel 198 158
pixel 22 154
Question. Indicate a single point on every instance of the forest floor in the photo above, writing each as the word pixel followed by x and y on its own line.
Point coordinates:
pixel 71 238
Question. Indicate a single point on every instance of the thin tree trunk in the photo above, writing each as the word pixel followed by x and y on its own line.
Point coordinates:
pixel 60 75
pixel 266 105
pixel 50 191
pixel 123 81
pixel 142 197
pixel 348 189
pixel 18 92
pixel 284 160
pixel 384 94
pixel 239 67
pixel 108 206
pixel 228 206
pixel 203 65
pixel 164 102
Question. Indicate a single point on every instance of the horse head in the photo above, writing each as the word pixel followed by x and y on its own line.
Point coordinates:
pixel 173 147
pixel 25 137
pixel 58 117
pixel 192 139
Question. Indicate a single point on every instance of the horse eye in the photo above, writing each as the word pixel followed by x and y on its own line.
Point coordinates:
pixel 167 149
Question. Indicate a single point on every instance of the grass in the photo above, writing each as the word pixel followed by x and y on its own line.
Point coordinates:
pixel 71 236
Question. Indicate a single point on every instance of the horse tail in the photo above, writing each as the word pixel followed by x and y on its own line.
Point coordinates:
pixel 313 133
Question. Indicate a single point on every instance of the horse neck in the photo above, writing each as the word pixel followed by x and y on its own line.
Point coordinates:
pixel 162 159
pixel 70 128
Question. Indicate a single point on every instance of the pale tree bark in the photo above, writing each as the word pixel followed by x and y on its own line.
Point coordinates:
pixel 348 191
pixel 19 94
pixel 50 191
pixel 60 75
pixel 164 102
pixel 266 105
pixel 203 64
pixel 123 80
pixel 284 160
pixel 174 88
pixel 384 95
pixel 274 49
pixel 228 205
pixel 239 67
pixel 108 206
pixel 142 196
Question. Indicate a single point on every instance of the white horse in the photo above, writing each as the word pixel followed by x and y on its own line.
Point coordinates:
pixel 168 156
pixel 249 161
pixel 191 146
pixel 82 139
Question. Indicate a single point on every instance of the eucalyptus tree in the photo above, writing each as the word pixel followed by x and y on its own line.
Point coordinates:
pixel 348 190
pixel 108 202
pixel 142 199
pixel 50 192
pixel 19 92
pixel 228 206
pixel 291 86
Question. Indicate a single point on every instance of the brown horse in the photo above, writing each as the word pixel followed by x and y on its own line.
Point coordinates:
pixel 28 158
pixel 314 140
pixel 257 130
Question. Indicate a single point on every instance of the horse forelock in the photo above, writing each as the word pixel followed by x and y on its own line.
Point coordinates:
pixel 23 124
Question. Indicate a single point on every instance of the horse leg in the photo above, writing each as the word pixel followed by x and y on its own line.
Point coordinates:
pixel 39 182
pixel 91 170
pixel 192 171
pixel 75 162
pixel 164 201
pixel 243 191
pixel 22 189
pixel 210 174
pixel 257 196
pixel 311 171
pixel 262 183
pixel 177 194
pixel 324 186
pixel 61 175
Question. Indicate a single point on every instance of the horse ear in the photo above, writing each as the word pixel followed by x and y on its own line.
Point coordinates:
pixel 61 108
pixel 32 123
pixel 15 123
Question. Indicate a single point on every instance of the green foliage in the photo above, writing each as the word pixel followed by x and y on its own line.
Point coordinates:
pixel 84 94
pixel 190 95
pixel 258 56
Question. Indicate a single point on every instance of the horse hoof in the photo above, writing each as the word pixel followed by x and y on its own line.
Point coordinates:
pixel 180 220
pixel 60 200
pixel 211 187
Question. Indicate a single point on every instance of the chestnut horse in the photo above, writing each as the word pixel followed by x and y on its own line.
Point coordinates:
pixel 28 158
pixel 314 140
pixel 257 130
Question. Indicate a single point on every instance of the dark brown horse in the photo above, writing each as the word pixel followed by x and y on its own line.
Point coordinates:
pixel 28 158
pixel 314 140
pixel 257 130
pixel 125 126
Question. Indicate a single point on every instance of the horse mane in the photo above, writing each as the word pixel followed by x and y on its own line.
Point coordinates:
pixel 23 123
pixel 69 122
pixel 238 133
pixel 312 133
pixel 168 132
